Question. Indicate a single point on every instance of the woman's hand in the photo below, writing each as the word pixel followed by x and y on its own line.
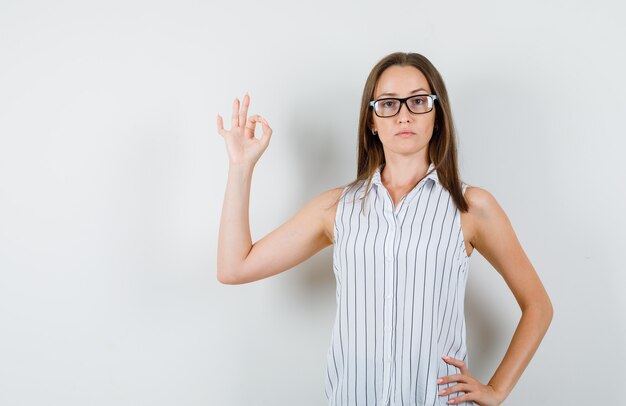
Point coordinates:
pixel 243 147
pixel 484 395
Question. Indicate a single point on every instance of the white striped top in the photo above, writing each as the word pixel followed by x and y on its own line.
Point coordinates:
pixel 401 274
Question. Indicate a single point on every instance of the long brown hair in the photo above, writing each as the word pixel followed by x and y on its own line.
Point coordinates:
pixel 442 149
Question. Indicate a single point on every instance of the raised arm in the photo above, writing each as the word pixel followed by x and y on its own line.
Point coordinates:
pixel 307 232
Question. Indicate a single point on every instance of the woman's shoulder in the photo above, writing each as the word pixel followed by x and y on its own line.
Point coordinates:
pixel 327 200
pixel 481 202
pixel 331 195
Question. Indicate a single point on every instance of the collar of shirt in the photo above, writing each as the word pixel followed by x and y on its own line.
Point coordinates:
pixel 431 174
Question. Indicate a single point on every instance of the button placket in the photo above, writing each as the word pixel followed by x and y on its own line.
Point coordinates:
pixel 389 265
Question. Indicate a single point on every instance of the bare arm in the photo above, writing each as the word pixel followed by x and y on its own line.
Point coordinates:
pixel 493 236
pixel 238 259
pixel 497 242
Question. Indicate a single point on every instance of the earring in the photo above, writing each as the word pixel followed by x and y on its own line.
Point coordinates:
pixel 374 131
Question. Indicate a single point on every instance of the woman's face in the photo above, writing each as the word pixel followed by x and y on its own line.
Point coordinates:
pixel 405 133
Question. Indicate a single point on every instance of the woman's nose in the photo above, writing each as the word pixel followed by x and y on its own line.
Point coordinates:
pixel 404 114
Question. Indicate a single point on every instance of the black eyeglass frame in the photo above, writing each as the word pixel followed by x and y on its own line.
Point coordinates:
pixel 433 97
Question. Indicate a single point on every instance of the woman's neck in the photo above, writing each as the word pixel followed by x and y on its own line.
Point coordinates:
pixel 403 174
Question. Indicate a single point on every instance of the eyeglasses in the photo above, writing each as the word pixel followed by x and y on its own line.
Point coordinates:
pixel 389 107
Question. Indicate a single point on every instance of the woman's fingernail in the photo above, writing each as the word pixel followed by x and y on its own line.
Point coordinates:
pixel 439 380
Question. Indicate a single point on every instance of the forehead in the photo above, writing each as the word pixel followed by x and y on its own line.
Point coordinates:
pixel 400 80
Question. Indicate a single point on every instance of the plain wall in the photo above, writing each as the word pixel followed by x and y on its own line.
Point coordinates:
pixel 112 177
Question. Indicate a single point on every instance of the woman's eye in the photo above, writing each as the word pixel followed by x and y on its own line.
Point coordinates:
pixel 389 103
pixel 418 101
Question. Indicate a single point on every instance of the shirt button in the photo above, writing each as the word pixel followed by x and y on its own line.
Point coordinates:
pixel 388 296
pixel 388 258
pixel 387 328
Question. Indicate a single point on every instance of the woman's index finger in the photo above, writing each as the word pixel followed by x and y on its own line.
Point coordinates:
pixel 235 114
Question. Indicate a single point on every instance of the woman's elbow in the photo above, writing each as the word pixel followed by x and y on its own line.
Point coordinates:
pixel 549 311
pixel 227 276
pixel 543 310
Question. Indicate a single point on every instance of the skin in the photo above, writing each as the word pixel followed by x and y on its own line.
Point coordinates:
pixel 485 227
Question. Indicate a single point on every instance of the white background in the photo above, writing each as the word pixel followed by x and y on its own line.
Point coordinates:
pixel 112 177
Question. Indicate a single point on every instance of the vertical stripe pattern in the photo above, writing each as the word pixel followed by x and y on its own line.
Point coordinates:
pixel 401 273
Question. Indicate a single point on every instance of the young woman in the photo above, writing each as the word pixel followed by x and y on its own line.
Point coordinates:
pixel 403 232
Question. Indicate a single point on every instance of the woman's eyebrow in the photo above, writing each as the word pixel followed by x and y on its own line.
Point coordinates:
pixel 394 94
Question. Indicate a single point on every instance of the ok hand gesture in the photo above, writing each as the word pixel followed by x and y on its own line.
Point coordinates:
pixel 243 147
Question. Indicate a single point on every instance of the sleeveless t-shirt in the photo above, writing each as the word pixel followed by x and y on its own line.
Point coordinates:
pixel 401 274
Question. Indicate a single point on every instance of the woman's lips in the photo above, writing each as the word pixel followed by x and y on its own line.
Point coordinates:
pixel 405 134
